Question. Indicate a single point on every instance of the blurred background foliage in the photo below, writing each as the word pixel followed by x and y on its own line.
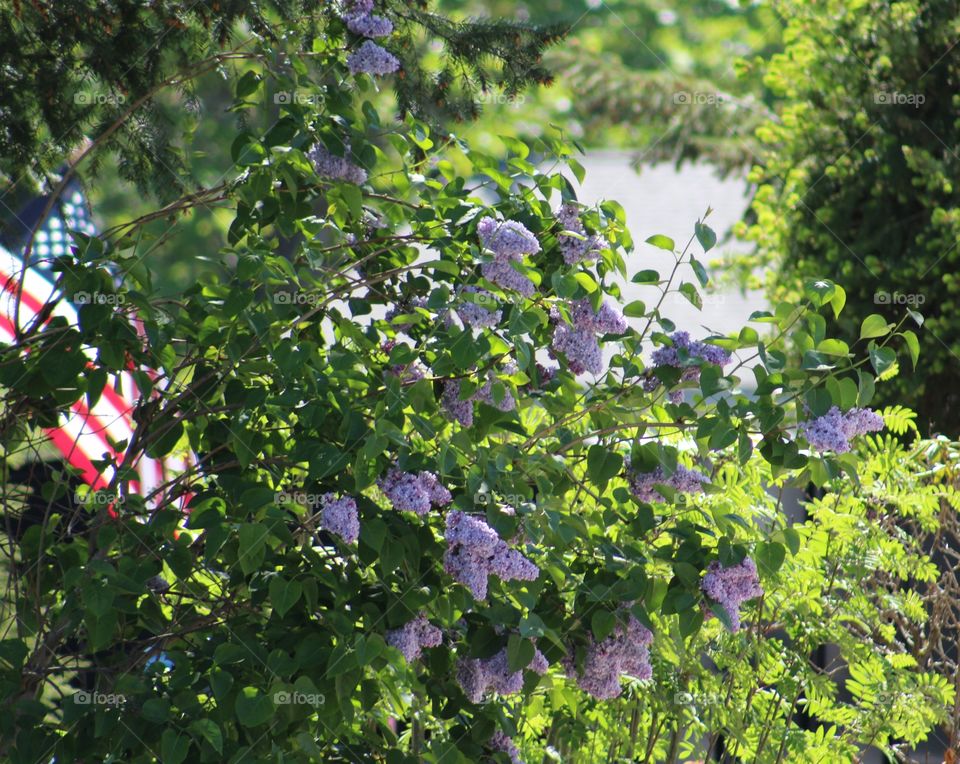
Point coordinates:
pixel 619 80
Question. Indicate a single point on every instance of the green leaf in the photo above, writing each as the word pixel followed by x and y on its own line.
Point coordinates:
pixel 689 291
pixel 253 542
pixel 646 277
pixel 663 242
pixel 838 300
pixel 913 345
pixel 602 623
pixel 770 556
pixel 635 309
pixel 699 270
pixel 882 359
pixel 252 707
pixel 602 465
pixel 706 237
pixel 284 594
pixel 248 84
pixel 210 731
pixel 520 652
pixel 174 747
pixel 874 325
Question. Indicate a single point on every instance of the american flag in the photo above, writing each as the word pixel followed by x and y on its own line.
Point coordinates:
pixel 88 434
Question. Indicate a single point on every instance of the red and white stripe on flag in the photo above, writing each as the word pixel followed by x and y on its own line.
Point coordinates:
pixel 87 433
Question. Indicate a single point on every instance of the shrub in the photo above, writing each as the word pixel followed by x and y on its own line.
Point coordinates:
pixel 440 503
pixel 857 181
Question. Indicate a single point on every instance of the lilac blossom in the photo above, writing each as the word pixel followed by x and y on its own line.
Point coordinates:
pixel 475 551
pixel 509 241
pixel 579 343
pixel 339 516
pixel 416 493
pixel 671 356
pixel 479 676
pixel 461 410
pixel 365 24
pixel 577 248
pixel 834 430
pixel 684 480
pixel 370 58
pixel 500 741
pixel 731 586
pixel 625 651
pixel 415 635
pixel 504 275
pixel 331 166
pixel 476 315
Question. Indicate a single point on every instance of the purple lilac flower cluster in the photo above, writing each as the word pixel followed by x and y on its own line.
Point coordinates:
pixel 462 410
pixel 475 551
pixel 834 430
pixel 500 741
pixel 625 651
pixel 509 241
pixel 476 315
pixel 731 586
pixel 414 492
pixel 579 342
pixel 576 249
pixel 369 58
pixel 340 516
pixel 670 356
pixel 478 676
pixel 683 480
pixel 412 637
pixel 360 20
pixel 331 166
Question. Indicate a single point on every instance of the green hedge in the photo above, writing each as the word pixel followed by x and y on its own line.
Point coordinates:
pixel 857 181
